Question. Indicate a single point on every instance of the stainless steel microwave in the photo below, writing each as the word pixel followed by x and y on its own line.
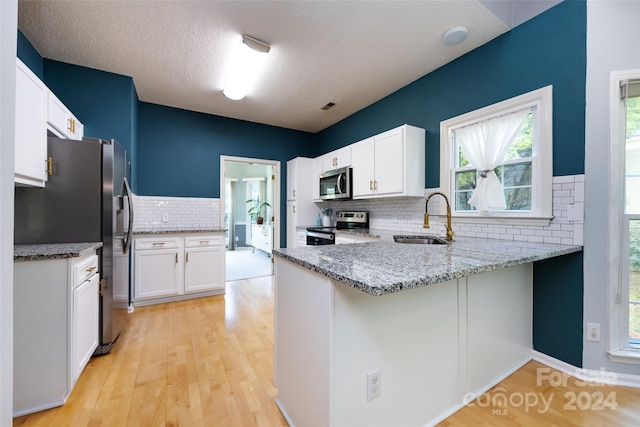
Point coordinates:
pixel 336 184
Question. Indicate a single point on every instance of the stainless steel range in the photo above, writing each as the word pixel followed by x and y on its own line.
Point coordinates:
pixel 344 220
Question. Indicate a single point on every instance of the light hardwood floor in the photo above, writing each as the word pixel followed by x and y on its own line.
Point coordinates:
pixel 209 362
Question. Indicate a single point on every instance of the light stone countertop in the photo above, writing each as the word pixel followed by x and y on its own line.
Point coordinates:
pixel 385 267
pixel 40 252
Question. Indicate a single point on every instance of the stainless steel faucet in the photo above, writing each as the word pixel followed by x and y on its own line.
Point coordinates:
pixel 426 215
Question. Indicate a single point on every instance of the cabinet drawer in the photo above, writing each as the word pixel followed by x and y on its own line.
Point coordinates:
pixel 200 241
pixel 84 269
pixel 157 243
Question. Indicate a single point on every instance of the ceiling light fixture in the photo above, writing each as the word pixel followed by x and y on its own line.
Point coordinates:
pixel 455 35
pixel 245 68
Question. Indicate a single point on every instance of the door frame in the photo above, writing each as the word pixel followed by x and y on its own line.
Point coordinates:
pixel 276 191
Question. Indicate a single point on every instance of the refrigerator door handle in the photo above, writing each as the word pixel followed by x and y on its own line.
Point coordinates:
pixel 127 238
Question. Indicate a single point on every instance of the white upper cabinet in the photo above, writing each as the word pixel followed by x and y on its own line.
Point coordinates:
pixel 61 121
pixel 299 174
pixel 318 168
pixel 337 159
pixel 31 128
pixel 390 164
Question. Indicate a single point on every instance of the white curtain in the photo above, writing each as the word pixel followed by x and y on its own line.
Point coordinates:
pixel 485 144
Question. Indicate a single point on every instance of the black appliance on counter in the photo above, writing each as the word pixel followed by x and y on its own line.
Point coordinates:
pixel 86 199
pixel 344 221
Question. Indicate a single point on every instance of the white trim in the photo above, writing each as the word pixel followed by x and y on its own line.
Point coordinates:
pixel 618 349
pixel 588 375
pixel 479 219
pixel 631 357
pixel 543 169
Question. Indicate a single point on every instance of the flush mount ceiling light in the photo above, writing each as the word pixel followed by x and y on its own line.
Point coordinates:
pixel 246 67
pixel 455 35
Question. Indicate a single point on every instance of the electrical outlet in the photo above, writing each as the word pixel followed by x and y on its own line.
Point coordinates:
pixel 593 332
pixel 165 216
pixel 373 384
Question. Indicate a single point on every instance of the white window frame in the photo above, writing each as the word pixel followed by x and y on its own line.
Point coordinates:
pixel 542 159
pixel 619 349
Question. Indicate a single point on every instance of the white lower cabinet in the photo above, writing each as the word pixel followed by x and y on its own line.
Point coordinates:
pixel 175 267
pixel 85 324
pixel 204 260
pixel 157 267
pixel 56 327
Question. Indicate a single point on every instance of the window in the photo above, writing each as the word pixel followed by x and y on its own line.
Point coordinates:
pixel 625 214
pixel 509 143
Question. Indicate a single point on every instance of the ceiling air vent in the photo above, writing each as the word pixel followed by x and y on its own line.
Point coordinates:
pixel 327 106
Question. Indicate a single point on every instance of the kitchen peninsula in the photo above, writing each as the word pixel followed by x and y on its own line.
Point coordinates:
pixel 435 324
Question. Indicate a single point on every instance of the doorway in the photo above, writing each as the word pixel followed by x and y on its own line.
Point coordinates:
pixel 250 199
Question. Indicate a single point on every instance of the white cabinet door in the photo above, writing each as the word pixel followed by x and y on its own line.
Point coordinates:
pixel 62 121
pixel 292 224
pixel 318 168
pixel 31 128
pixel 363 168
pixel 157 273
pixel 337 159
pixel 202 269
pixel 292 179
pixel 85 323
pixel 388 162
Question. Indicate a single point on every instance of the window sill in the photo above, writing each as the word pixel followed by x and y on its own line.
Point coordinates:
pixel 533 221
pixel 625 356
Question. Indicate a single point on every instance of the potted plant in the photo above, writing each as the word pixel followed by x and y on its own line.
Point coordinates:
pixel 257 209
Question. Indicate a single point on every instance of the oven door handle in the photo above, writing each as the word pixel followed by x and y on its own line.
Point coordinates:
pixel 325 236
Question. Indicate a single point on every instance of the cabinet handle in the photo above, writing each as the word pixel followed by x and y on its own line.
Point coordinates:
pixel 294 193
pixel 176 258
pixel 158 244
pixel 90 269
pixel 186 257
pixel 101 287
pixel 375 185
pixel 70 124
pixel 370 185
pixel 204 242
pixel 294 209
pixel 73 125
pixel 49 169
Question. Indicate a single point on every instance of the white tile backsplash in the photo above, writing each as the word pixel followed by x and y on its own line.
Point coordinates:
pixel 405 215
pixel 157 213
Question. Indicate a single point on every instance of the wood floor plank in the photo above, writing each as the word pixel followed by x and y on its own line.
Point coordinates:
pixel 209 362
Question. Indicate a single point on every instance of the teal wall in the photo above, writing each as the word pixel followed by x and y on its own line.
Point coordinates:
pixel 30 56
pixel 179 151
pixel 106 103
pixel 547 50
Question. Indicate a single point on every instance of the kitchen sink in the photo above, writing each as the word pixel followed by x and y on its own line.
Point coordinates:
pixel 420 240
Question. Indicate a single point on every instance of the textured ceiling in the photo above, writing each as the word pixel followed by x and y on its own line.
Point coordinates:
pixel 352 53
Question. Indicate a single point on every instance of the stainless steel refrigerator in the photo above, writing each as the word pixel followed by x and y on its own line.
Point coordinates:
pixel 86 199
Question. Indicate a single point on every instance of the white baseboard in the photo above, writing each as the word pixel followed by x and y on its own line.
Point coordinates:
pixel 588 375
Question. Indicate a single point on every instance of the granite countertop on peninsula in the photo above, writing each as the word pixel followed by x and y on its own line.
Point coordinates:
pixel 212 230
pixel 40 252
pixel 385 267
